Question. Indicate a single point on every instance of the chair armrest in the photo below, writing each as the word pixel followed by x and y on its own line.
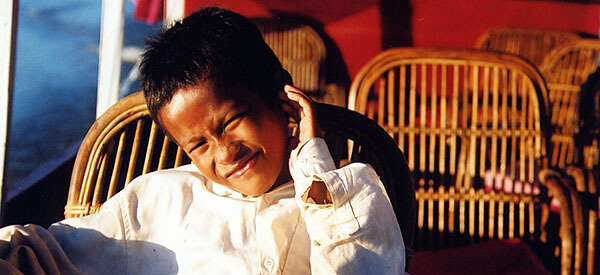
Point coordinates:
pixel 586 184
pixel 572 231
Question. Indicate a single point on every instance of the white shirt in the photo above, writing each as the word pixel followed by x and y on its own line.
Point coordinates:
pixel 176 221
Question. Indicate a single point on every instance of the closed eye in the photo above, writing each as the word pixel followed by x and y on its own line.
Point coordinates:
pixel 232 122
pixel 198 145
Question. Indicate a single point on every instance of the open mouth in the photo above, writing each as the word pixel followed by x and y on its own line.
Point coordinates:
pixel 243 168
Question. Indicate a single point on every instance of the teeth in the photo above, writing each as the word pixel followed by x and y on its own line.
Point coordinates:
pixel 241 171
pixel 245 168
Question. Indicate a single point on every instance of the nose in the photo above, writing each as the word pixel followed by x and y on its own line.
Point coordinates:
pixel 228 152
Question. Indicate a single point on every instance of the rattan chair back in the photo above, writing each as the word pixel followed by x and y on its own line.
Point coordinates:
pixel 473 126
pixel 122 144
pixel 565 70
pixel 530 43
pixel 300 49
pixel 586 173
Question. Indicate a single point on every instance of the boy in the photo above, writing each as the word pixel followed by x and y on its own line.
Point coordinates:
pixel 219 92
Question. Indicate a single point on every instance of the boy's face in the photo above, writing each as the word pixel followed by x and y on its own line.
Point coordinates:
pixel 234 140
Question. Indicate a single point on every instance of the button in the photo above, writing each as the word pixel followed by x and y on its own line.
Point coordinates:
pixel 269 263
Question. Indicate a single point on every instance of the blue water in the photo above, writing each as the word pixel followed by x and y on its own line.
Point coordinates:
pixel 54 97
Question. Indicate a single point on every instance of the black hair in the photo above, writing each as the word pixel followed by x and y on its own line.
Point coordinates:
pixel 211 45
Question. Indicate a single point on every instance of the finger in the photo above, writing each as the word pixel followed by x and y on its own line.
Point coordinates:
pixel 300 106
pixel 291 111
pixel 308 126
pixel 299 95
pixel 293 103
pixel 283 96
pixel 305 103
pixel 289 106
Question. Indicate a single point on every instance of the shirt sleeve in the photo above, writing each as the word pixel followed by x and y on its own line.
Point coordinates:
pixel 95 240
pixel 32 249
pixel 355 234
pixel 136 229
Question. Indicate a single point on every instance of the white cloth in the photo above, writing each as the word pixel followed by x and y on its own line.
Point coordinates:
pixel 175 221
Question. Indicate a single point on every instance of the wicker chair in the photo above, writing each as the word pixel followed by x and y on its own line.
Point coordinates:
pixel 585 175
pixel 303 54
pixel 565 69
pixel 300 49
pixel 124 143
pixel 473 126
pixel 532 44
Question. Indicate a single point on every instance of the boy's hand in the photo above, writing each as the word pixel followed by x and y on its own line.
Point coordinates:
pixel 302 109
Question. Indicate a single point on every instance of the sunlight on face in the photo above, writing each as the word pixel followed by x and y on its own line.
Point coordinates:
pixel 235 140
